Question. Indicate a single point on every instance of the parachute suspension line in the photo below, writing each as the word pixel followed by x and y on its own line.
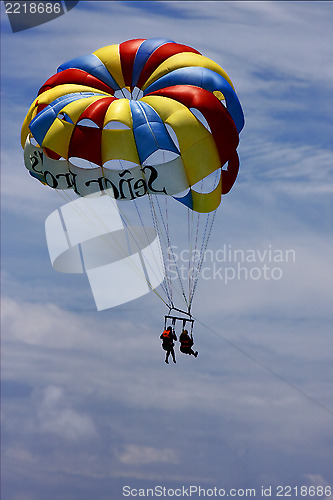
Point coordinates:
pixel 152 208
pixel 124 219
pixel 203 248
pixel 192 276
pixel 202 252
pixel 158 231
pixel 193 245
pixel 127 225
pixel 191 225
pixel 266 368
pixel 86 217
pixel 64 194
pixel 167 236
pixel 205 239
pixel 85 214
pixel 168 280
pixel 189 239
pixel 165 289
pixel 68 199
pixel 177 269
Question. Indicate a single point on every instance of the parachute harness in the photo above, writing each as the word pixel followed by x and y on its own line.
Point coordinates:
pixel 173 319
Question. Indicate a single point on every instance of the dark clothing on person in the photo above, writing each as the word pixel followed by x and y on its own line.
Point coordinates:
pixel 167 337
pixel 186 343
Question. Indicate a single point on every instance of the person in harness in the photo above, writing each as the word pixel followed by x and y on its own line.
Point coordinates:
pixel 167 337
pixel 186 343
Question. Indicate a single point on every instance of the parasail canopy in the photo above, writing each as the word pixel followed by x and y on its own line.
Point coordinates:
pixel 141 117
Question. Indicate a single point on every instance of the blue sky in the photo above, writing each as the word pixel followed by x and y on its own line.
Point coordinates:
pixel 88 405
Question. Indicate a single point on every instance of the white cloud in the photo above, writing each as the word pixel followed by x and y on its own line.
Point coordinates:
pixel 143 455
pixel 43 325
pixel 54 416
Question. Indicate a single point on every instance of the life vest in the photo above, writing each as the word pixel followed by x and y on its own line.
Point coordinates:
pixel 166 335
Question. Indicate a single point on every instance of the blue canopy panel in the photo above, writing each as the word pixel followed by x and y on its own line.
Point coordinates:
pixel 144 52
pixel 44 119
pixel 186 200
pixel 40 177
pixel 92 65
pixel 206 79
pixel 150 133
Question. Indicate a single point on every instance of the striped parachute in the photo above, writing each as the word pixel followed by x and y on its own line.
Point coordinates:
pixel 143 120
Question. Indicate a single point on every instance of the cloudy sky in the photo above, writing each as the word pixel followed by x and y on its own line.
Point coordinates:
pixel 88 404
